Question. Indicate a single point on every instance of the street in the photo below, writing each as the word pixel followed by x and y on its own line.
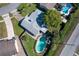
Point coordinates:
pixel 8 8
pixel 69 50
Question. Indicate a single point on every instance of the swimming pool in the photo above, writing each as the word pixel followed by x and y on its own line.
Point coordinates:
pixel 40 45
pixel 65 9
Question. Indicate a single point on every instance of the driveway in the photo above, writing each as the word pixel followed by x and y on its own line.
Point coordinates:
pixel 16 14
pixel 8 8
pixel 9 26
pixel 72 43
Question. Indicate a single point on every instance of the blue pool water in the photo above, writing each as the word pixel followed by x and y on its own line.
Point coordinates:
pixel 66 8
pixel 41 45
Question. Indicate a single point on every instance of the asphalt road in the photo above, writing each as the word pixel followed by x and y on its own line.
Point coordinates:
pixel 8 8
pixel 72 43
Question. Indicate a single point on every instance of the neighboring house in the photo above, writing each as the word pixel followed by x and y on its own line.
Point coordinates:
pixel 34 23
pixel 46 6
pixel 66 9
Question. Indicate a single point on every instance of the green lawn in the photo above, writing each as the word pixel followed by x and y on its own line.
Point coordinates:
pixel 17 29
pixel 3 30
pixel 26 8
pixel 3 4
pixel 28 43
pixel 1 18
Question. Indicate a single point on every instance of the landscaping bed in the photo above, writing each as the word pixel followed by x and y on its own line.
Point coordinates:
pixel 3 30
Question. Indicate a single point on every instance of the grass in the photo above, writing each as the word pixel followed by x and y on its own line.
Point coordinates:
pixel 3 30
pixel 26 8
pixel 28 43
pixel 1 18
pixel 3 4
pixel 17 29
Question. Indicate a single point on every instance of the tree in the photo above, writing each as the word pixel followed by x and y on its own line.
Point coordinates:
pixel 53 20
pixel 75 5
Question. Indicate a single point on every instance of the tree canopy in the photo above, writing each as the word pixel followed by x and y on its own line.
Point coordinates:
pixel 53 20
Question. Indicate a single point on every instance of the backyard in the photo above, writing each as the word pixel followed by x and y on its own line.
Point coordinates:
pixel 28 43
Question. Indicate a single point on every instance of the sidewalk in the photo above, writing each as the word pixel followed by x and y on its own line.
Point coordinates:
pixel 9 26
pixel 19 48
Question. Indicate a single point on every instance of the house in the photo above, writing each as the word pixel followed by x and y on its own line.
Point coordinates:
pixel 34 23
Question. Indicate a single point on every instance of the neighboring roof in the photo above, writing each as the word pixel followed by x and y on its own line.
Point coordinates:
pixel 48 5
pixel 7 48
pixel 29 23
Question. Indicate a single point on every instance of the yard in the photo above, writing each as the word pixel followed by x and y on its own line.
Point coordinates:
pixel 26 8
pixel 17 29
pixel 3 30
pixel 28 43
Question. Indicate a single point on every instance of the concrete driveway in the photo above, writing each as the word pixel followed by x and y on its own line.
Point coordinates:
pixel 72 43
pixel 9 26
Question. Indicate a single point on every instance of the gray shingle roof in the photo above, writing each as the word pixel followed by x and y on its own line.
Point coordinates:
pixel 31 26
